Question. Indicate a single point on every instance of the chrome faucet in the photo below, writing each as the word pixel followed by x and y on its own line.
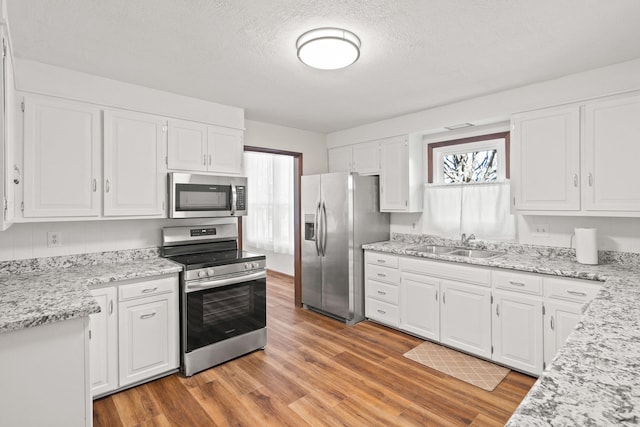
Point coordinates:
pixel 464 240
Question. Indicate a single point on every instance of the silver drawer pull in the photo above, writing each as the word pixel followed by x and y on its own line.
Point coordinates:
pixel 381 261
pixel 382 292
pixel 382 311
pixel 553 326
pixel 382 275
pixel 148 316
pixel 146 291
pixel 511 282
pixel 576 293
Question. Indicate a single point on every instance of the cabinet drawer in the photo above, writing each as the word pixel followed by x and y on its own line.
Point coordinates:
pixel 382 291
pixel 571 290
pixel 383 312
pixel 148 288
pixel 378 258
pixel 447 270
pixel 519 282
pixel 383 274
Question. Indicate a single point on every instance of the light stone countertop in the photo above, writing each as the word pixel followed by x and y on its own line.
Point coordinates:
pixel 595 377
pixel 32 294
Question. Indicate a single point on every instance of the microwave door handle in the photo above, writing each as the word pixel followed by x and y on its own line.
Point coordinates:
pixel 234 199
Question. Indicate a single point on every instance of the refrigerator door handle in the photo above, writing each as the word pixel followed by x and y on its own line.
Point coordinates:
pixel 324 229
pixel 317 230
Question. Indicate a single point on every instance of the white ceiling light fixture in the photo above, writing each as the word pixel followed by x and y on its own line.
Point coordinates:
pixel 328 48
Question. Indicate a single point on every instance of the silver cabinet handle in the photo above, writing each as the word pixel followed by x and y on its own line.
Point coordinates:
pixel 511 282
pixel 209 159
pixel 382 292
pixel 146 291
pixel 111 307
pixel 148 316
pixel 204 160
pixel 576 293
pixel 590 180
pixel 382 311
pixel 575 179
pixel 381 261
pixel 107 186
pixel 95 185
pixel 436 295
pixel 444 298
pixel 553 326
pixel 382 275
pixel 498 310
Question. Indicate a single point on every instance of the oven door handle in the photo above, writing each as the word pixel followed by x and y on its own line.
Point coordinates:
pixel 210 284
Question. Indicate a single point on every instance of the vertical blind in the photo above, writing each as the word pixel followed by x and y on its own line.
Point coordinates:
pixel 269 222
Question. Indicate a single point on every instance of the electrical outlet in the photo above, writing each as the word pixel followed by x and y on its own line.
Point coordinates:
pixel 54 239
pixel 540 230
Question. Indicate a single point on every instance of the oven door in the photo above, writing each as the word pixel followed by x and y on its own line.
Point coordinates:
pixel 214 312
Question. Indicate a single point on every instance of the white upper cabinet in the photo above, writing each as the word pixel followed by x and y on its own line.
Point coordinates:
pixel 579 159
pixel 6 133
pixel 199 147
pixel 401 179
pixel 187 145
pixel 61 158
pixel 225 150
pixel 546 157
pixel 611 150
pixel 363 158
pixel 134 172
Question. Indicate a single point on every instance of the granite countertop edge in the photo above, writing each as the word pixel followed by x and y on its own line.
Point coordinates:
pixel 29 299
pixel 593 379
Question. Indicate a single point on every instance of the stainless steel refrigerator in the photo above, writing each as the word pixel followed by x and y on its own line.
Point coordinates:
pixel 340 213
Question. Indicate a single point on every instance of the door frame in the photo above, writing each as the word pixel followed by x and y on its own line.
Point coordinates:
pixel 297 244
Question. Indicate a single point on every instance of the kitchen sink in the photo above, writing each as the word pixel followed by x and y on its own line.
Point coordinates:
pixel 474 253
pixel 433 249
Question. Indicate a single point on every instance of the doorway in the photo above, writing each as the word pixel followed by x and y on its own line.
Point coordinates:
pixel 296 159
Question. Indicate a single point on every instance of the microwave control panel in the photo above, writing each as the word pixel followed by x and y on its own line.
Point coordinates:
pixel 241 198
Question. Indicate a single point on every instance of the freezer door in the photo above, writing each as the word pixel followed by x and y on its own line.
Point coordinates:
pixel 311 261
pixel 336 238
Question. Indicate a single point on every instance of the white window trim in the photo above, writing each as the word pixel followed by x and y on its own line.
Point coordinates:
pixel 441 152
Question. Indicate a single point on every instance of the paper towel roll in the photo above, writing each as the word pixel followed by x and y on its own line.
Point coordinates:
pixel 586 245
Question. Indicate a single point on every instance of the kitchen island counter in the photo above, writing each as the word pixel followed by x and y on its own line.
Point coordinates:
pixel 593 380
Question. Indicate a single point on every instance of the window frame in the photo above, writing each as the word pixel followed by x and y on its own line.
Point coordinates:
pixel 436 150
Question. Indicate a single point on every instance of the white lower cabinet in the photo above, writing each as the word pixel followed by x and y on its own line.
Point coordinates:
pixel 135 336
pixel 465 317
pixel 559 320
pixel 517 331
pixel 420 306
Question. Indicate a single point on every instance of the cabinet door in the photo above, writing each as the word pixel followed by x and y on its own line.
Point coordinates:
pixel 559 320
pixel 6 134
pixel 61 158
pixel 545 164
pixel 340 159
pixel 419 306
pixel 148 337
pixel 103 343
pixel 611 151
pixel 187 145
pixel 366 158
pixel 517 331
pixel 225 150
pixel 134 172
pixel 465 317
pixel 393 175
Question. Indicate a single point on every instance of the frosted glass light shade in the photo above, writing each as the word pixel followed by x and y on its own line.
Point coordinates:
pixel 328 48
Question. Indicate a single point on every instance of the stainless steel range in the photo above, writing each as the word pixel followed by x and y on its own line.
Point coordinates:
pixel 223 294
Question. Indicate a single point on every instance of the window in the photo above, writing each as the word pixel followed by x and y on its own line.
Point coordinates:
pixel 478 159
pixel 269 223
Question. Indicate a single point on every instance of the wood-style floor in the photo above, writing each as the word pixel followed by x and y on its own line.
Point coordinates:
pixel 315 371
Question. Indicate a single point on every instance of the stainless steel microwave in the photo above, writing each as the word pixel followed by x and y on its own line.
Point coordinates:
pixel 206 196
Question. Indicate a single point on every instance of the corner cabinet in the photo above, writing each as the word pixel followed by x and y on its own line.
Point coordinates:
pixel 61 158
pixel 198 147
pixel 134 171
pixel 578 159
pixel 135 336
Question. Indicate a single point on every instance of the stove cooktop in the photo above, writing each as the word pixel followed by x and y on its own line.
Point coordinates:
pixel 212 259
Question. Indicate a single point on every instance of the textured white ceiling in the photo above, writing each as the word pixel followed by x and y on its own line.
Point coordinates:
pixel 415 54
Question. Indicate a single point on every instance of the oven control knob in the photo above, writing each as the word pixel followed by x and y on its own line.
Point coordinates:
pixel 210 272
pixel 247 266
pixel 202 274
pixel 256 265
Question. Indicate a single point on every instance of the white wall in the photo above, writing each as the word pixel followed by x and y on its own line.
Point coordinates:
pixel 620 234
pixel 313 147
